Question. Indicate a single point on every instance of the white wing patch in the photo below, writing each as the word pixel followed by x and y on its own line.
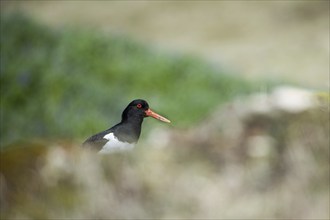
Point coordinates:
pixel 114 145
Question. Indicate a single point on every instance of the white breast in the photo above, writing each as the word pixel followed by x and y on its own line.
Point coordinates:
pixel 114 145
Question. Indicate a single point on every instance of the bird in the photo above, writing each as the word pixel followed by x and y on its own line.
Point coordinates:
pixel 124 135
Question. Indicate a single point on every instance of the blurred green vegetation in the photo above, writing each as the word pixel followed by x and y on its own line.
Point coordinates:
pixel 72 82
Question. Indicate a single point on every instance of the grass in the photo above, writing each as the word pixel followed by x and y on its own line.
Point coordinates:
pixel 71 82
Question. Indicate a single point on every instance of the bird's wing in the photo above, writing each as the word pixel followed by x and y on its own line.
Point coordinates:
pixel 96 141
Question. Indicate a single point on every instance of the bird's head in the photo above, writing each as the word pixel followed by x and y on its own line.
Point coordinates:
pixel 140 108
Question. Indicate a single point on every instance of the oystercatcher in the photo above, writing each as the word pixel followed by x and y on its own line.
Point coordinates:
pixel 125 134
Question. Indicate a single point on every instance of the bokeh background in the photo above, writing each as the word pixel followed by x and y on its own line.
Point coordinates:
pixel 245 84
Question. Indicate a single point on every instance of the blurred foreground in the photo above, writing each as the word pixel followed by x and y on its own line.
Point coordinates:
pixel 251 162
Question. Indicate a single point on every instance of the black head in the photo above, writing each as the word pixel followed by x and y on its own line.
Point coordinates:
pixel 139 109
pixel 135 110
pixel 139 104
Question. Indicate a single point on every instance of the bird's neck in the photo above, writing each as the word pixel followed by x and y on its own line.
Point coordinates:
pixel 134 120
pixel 130 129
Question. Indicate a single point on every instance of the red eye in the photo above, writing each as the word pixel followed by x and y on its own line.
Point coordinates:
pixel 139 105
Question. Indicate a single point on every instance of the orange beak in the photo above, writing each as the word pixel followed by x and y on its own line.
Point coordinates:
pixel 156 116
